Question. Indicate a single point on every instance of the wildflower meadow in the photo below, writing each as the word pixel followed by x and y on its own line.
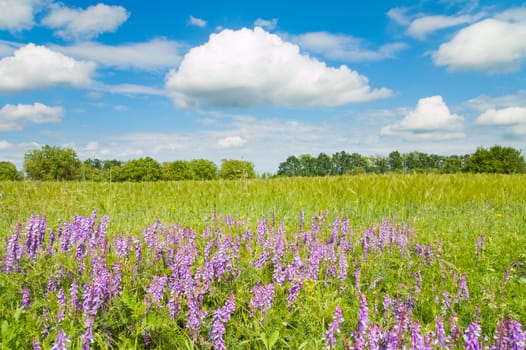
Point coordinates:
pixel 359 262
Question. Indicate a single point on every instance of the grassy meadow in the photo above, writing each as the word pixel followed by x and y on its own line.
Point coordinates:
pixel 395 254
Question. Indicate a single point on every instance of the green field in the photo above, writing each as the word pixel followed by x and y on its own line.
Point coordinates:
pixel 472 224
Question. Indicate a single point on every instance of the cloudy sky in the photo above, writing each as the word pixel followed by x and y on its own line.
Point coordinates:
pixel 260 82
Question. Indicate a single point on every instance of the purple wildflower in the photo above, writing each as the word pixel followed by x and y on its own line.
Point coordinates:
pixel 60 342
pixel 87 337
pixel 334 327
pixel 12 252
pixel 262 299
pixel 26 298
pixel 440 332
pixel 417 339
pixel 509 335
pixel 363 323
pixel 62 304
pixel 262 260
pixel 36 345
pixel 73 294
pixel 357 273
pixel 221 316
pixel 376 337
pixel 342 266
pixel 463 292
pixel 294 291
pixel 156 290
pixel 195 317
pixel 472 336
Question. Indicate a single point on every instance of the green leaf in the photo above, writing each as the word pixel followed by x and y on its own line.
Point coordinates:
pixel 273 339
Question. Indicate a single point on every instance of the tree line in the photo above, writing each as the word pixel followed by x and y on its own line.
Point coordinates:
pixel 497 159
pixel 52 163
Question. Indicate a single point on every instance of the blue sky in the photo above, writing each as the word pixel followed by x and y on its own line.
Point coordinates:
pixel 260 81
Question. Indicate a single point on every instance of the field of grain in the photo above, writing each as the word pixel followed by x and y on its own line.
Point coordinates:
pixel 399 260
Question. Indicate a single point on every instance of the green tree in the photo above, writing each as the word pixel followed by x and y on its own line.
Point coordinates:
pixel 452 164
pixel 52 163
pixel 177 170
pixel 395 161
pixel 203 169
pixel 290 167
pixel 497 159
pixel 342 163
pixel 232 169
pixel 8 172
pixel 324 165
pixel 308 165
pixel 379 164
pixel 143 169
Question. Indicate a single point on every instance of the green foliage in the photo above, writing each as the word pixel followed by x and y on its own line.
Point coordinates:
pixel 232 169
pixel 52 163
pixel 8 172
pixel 203 169
pixel 178 170
pixel 395 161
pixel 497 159
pixel 143 169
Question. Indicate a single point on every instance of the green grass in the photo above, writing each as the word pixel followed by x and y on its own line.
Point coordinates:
pixel 447 212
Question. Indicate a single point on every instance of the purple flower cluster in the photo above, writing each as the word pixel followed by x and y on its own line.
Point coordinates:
pixel 221 317
pixel 262 299
pixel 174 271
pixel 334 327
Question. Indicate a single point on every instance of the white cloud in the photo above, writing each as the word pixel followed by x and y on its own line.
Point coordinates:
pixel 72 23
pixel 423 26
pixel 120 108
pixel 484 102
pixel 7 48
pixel 505 116
pixel 345 47
pixel 492 45
pixel 150 55
pixel 231 142
pixel 198 22
pixel 513 118
pixel 33 67
pixel 399 15
pixel 251 67
pixel 267 24
pixel 430 120
pixel 15 117
pixel 131 89
pixel 17 15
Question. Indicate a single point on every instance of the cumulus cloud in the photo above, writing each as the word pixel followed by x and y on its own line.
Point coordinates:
pixel 430 120
pixel 423 26
pixel 252 67
pixel 267 24
pixel 198 22
pixel 73 23
pixel 17 15
pixel 345 47
pixel 33 67
pixel 493 45
pixel 15 117
pixel 150 55
pixel 483 103
pixel 231 142
pixel 513 118
pixel 505 116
